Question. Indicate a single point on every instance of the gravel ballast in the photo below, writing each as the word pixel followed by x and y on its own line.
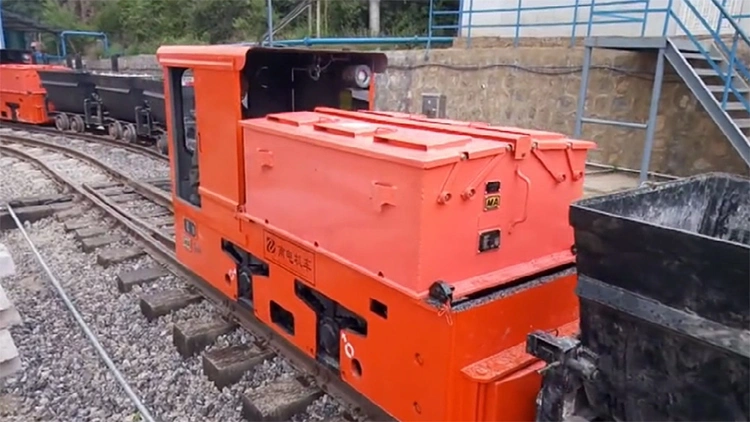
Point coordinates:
pixel 50 343
pixel 58 361
pixel 132 164
pixel 62 376
pixel 20 179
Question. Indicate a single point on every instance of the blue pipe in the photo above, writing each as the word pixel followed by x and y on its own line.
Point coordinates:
pixel 429 24
pixel 63 34
pixel 2 34
pixel 307 41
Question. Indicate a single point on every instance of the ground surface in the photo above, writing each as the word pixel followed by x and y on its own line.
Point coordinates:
pixel 601 183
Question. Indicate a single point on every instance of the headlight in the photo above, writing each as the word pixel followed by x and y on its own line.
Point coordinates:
pixel 359 75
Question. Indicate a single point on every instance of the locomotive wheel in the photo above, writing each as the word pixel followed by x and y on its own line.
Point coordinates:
pixel 77 125
pixel 128 133
pixel 115 130
pixel 62 123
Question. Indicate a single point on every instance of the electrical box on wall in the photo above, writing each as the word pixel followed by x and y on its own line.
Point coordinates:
pixel 433 106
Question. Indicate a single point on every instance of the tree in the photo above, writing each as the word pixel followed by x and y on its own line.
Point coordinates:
pixel 31 9
pixel 140 26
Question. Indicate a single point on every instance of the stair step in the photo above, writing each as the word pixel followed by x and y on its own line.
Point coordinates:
pixel 708 72
pixel 735 106
pixel 720 89
pixel 742 123
pixel 701 56
pixel 685 45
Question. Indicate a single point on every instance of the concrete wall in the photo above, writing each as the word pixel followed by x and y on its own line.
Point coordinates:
pixel 554 18
pixel 141 64
pixel 510 86
pixel 517 87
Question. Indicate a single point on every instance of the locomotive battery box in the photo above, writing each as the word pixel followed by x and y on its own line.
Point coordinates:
pixel 414 203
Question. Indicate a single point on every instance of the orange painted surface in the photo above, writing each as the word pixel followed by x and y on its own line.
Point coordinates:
pixel 20 85
pixel 394 114
pixel 363 183
pixel 419 364
pixel 376 206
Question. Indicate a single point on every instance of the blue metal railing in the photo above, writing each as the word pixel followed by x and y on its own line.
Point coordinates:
pixel 642 17
pixel 601 12
pixel 311 42
pixel 2 33
pixel 735 67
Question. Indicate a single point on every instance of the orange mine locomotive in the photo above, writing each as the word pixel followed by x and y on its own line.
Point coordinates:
pixel 22 96
pixel 410 257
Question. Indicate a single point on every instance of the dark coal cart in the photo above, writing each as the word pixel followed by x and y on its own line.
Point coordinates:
pixel 151 118
pixel 128 107
pixel 131 104
pixel 73 94
pixel 664 288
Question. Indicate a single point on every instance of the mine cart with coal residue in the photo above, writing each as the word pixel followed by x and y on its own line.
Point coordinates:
pixel 664 307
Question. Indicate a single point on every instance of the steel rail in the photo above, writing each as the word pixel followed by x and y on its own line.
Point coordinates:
pixel 81 323
pixel 159 235
pixel 87 137
pixel 153 193
pixel 326 379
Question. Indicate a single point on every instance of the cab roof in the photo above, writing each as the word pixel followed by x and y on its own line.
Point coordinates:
pixel 235 55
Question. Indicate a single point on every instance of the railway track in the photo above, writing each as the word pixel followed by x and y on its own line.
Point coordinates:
pixel 146 150
pixel 127 225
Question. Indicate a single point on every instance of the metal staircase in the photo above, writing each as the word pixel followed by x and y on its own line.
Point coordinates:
pixel 720 83
pixel 709 66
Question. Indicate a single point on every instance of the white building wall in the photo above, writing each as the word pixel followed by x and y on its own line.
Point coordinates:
pixel 745 22
pixel 710 13
pixel 553 18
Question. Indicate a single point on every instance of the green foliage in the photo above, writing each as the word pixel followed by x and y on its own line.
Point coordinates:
pixel 28 8
pixel 140 26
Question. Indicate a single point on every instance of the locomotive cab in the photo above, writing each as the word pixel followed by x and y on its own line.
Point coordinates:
pixel 9 56
pixel 277 80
